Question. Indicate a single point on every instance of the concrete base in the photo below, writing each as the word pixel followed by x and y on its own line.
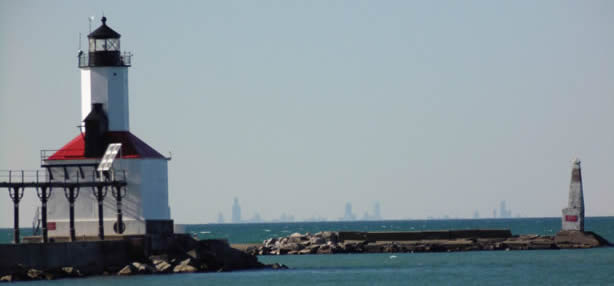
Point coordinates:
pixel 87 256
pixel 579 239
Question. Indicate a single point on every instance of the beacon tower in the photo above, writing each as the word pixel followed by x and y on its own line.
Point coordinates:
pixel 104 77
pixel 105 114
pixel 573 214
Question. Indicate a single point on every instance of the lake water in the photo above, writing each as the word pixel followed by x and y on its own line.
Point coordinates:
pixel 542 267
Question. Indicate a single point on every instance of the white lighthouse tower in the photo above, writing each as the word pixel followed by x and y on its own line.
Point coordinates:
pixel 104 77
pixel 105 112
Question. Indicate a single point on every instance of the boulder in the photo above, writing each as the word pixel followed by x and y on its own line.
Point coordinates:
pixel 35 274
pixel 71 271
pixel 142 268
pixel 6 278
pixel 297 238
pixel 291 246
pixel 270 242
pixel 185 268
pixel 317 240
pixel 162 266
pixel 278 266
pixel 330 236
pixel 311 250
pixel 127 270
pixel 325 249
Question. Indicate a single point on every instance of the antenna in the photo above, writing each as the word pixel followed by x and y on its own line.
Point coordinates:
pixel 79 41
pixel 90 19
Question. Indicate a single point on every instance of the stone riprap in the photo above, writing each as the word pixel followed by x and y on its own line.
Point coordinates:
pixel 183 254
pixel 329 242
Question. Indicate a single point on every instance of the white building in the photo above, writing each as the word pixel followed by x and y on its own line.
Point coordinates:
pixel 105 111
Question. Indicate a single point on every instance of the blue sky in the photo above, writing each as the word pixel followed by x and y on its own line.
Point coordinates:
pixel 431 108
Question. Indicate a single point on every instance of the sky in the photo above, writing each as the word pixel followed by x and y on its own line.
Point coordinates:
pixel 431 108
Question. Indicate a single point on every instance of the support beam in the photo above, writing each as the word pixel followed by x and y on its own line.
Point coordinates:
pixel 16 219
pixel 16 194
pixel 119 226
pixel 100 193
pixel 44 195
pixel 71 196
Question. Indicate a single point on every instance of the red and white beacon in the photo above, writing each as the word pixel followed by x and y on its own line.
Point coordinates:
pixel 105 113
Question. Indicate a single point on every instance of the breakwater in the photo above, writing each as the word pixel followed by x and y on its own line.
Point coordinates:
pixel 329 242
pixel 139 254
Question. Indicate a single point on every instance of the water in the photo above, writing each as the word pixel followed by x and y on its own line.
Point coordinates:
pixel 543 267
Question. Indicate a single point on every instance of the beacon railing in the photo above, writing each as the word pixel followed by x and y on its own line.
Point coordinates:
pixel 17 181
pixel 64 154
pixel 125 59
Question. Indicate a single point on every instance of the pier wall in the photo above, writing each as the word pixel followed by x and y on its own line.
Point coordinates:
pixel 424 235
pixel 87 256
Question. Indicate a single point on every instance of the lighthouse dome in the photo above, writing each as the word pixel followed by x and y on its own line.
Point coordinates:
pixel 104 32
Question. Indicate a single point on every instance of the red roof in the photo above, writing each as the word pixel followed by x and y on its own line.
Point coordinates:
pixel 132 147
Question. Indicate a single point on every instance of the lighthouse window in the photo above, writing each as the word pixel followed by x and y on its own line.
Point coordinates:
pixel 92 45
pixel 100 44
pixel 113 45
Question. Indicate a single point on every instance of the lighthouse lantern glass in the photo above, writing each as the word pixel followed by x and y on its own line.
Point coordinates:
pixel 112 44
pixel 92 45
pixel 100 44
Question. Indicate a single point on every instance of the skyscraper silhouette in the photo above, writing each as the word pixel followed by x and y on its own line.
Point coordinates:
pixel 236 211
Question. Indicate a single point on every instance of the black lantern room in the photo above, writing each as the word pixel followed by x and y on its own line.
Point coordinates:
pixel 104 48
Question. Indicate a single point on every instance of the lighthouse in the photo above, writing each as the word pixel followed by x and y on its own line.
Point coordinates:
pixel 106 120
pixel 573 214
pixel 104 77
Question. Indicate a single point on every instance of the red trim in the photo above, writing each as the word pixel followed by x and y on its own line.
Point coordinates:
pixel 132 147
pixel 572 218
pixel 51 225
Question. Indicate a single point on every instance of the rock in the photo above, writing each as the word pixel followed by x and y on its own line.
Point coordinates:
pixel 278 266
pixel 162 266
pixel 579 239
pixel 184 268
pixel 35 274
pixel 325 249
pixel 269 242
pixel 6 278
pixel 142 268
pixel 291 246
pixel 308 251
pixel 330 236
pixel 192 253
pixel 71 271
pixel 127 270
pixel 317 240
pixel 297 238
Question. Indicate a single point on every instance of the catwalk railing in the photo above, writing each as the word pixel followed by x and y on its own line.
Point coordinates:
pixel 42 183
